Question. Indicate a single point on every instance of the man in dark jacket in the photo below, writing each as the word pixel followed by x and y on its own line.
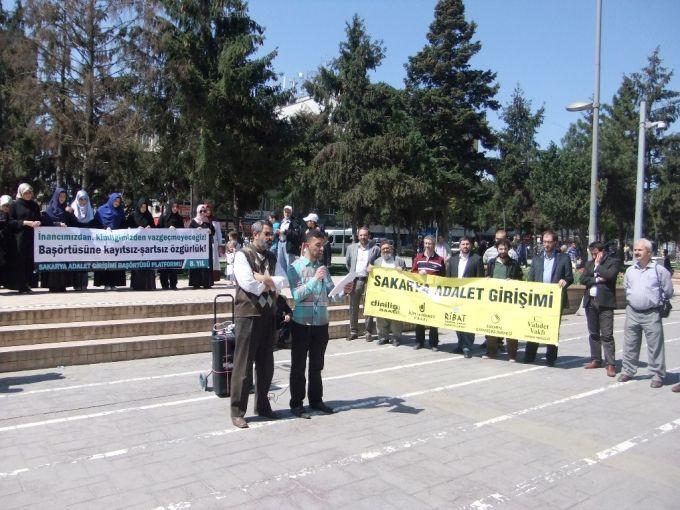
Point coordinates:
pixel 599 302
pixel 465 264
pixel 550 267
pixel 503 267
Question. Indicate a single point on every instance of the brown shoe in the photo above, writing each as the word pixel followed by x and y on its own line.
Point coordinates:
pixel 239 422
pixel 611 371
pixel 676 388
pixel 655 384
pixel 625 378
pixel 593 364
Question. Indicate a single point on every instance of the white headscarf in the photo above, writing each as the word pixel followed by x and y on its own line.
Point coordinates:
pixel 83 213
pixel 201 217
pixel 23 188
pixel 5 200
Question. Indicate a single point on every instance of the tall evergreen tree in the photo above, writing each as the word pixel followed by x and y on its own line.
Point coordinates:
pixel 19 103
pixel 223 127
pixel 372 168
pixel 518 157
pixel 449 99
pixel 91 127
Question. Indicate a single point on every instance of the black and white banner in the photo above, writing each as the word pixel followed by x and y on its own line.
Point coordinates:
pixel 90 249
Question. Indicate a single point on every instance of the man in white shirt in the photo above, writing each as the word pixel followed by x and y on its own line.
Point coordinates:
pixel 492 252
pixel 358 259
pixel 255 321
pixel 389 330
pixel 441 248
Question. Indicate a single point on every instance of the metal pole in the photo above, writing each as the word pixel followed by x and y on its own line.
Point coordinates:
pixel 592 224
pixel 637 232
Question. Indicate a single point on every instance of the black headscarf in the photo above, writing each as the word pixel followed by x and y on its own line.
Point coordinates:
pixel 171 219
pixel 139 218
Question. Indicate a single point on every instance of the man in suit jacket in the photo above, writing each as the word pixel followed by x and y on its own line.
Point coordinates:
pixel 465 264
pixel 358 259
pixel 599 302
pixel 549 267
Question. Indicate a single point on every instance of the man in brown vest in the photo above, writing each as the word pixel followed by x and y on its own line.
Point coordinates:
pixel 255 319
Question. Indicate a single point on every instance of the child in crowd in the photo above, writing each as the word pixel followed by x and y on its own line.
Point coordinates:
pixel 232 247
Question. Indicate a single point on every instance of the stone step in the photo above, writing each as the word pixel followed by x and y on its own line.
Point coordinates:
pixel 85 312
pixel 120 328
pixel 82 352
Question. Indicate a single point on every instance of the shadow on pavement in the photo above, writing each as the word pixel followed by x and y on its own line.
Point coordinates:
pixel 392 404
pixel 7 382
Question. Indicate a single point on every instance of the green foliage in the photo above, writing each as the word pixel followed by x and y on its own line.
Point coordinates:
pixel 372 162
pixel 218 109
pixel 518 158
pixel 19 136
pixel 449 99
pixel 665 198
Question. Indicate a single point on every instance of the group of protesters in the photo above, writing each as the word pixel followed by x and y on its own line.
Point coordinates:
pixel 19 218
pixel 648 288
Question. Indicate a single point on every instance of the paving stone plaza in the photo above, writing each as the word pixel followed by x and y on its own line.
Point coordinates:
pixel 413 429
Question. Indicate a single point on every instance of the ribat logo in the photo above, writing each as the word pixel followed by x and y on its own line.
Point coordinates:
pixel 422 307
pixel 495 318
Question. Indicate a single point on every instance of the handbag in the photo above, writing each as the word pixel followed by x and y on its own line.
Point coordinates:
pixel 665 303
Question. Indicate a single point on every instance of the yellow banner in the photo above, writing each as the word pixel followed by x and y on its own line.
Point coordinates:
pixel 487 306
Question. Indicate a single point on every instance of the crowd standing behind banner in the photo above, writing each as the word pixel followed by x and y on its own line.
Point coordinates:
pixel 647 283
pixel 19 218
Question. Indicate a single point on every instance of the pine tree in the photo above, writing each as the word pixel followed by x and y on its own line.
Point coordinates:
pixel 449 99
pixel 518 157
pixel 19 103
pixel 222 129
pixel 372 168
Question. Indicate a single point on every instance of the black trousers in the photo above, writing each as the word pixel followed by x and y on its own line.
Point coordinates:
pixel 307 341
pixel 601 329
pixel 168 278
pixel 254 343
pixel 420 336
pixel 531 349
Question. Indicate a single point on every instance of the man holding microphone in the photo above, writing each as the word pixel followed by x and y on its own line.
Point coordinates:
pixel 310 282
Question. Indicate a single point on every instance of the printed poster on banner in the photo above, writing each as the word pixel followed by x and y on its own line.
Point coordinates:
pixel 90 249
pixel 485 306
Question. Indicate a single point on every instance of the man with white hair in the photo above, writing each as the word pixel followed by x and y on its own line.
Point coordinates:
pixel 647 284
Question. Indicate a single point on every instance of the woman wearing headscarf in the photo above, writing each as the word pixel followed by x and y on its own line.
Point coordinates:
pixel 171 218
pixel 8 231
pixel 202 277
pixel 141 217
pixel 56 215
pixel 84 215
pixel 111 216
pixel 25 211
pixel 216 242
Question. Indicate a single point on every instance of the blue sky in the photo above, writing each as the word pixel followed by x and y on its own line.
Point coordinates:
pixel 545 46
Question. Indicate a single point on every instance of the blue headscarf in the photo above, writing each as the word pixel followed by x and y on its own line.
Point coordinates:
pixel 110 216
pixel 56 211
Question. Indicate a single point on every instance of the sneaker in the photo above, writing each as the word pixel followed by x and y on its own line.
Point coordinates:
pixel 381 341
pixel 395 342
pixel 369 337
pixel 435 348
pixel 417 346
pixel 352 336
pixel 467 353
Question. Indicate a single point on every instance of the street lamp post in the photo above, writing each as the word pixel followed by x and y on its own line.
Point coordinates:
pixel 639 197
pixel 637 229
pixel 595 107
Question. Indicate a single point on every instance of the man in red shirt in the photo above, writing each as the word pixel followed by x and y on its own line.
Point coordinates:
pixel 428 262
